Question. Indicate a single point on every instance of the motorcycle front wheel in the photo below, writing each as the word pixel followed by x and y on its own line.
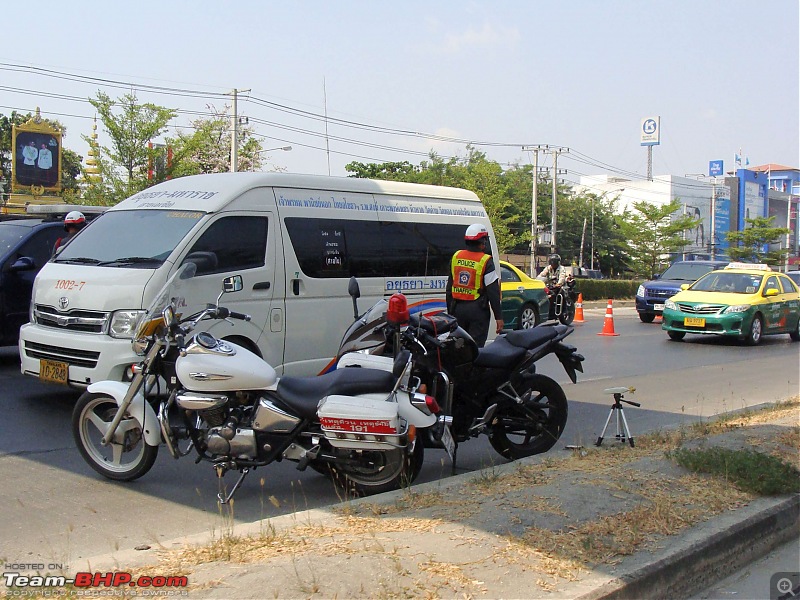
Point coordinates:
pixel 128 456
pixel 567 312
pixel 367 472
pixel 533 427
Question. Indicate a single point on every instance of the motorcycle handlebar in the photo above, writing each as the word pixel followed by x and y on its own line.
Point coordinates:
pixel 224 313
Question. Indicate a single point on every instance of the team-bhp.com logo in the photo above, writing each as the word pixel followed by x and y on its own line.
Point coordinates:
pixel 18 585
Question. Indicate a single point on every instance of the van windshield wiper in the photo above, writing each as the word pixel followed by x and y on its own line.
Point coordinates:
pixel 130 260
pixel 81 260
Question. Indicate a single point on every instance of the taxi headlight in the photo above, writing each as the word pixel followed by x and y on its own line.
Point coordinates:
pixel 670 305
pixel 123 323
pixel 640 291
pixel 139 346
pixel 737 308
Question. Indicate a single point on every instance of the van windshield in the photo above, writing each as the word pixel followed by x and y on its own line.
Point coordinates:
pixel 130 238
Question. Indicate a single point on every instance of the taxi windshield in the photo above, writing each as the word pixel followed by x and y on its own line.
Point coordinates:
pixel 130 238
pixel 730 283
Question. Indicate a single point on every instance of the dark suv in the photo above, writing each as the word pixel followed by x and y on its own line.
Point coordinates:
pixel 651 295
pixel 25 246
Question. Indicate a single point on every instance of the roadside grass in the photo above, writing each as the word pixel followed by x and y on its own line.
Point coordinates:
pixel 748 470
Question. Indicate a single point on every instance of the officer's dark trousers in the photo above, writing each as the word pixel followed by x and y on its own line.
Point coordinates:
pixel 473 317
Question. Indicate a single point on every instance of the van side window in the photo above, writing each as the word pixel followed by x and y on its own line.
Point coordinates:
pixel 238 242
pixel 327 248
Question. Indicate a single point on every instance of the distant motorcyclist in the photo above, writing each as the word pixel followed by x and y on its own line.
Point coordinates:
pixel 554 277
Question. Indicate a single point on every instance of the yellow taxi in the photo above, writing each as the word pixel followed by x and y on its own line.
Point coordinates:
pixel 744 300
pixel 525 302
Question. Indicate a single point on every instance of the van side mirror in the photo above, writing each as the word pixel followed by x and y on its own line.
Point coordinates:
pixel 24 263
pixel 355 294
pixel 233 283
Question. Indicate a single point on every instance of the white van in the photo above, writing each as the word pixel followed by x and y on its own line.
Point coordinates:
pixel 295 240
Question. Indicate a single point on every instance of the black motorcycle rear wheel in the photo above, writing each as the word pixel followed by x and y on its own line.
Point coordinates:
pixel 567 311
pixel 533 427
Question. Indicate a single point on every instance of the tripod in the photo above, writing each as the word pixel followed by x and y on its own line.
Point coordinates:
pixel 623 431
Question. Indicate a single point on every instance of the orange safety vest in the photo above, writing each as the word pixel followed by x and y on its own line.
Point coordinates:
pixel 467 269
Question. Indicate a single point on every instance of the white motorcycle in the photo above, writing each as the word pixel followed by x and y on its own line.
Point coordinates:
pixel 196 393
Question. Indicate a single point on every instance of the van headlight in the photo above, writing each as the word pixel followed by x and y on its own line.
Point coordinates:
pixel 123 323
pixel 640 291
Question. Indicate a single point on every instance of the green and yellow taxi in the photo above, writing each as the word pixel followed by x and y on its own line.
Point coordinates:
pixel 525 302
pixel 743 300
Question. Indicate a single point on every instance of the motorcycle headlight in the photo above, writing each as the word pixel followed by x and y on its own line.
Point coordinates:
pixel 670 305
pixel 737 308
pixel 123 323
pixel 640 291
pixel 139 346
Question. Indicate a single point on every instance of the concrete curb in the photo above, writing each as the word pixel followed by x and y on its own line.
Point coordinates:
pixel 696 564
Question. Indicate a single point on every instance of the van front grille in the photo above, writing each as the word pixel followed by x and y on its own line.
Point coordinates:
pixel 85 321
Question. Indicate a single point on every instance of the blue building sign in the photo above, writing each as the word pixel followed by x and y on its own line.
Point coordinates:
pixel 715 168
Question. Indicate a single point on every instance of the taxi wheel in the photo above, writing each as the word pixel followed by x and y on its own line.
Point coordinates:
pixel 676 336
pixel 528 317
pixel 756 331
pixel 795 335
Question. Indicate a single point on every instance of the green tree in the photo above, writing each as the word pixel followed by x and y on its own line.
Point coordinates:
pixel 759 233
pixel 207 148
pixel 131 125
pixel 654 232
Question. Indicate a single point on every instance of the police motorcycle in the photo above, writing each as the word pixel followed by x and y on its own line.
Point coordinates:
pixel 495 390
pixel 195 393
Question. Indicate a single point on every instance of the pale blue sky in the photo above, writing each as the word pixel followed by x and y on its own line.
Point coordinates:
pixel 722 74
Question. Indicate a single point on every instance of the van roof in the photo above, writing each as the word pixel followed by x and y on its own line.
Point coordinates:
pixel 213 191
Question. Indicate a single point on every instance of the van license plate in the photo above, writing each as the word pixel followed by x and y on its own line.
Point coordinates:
pixel 53 371
pixel 694 322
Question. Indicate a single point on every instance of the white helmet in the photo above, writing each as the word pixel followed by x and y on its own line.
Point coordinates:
pixel 74 217
pixel 476 232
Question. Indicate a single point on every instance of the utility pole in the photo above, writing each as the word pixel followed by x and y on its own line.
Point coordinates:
pixel 235 132
pixel 534 219
pixel 556 152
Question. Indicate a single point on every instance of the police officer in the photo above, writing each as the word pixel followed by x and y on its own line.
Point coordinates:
pixel 474 285
pixel 73 223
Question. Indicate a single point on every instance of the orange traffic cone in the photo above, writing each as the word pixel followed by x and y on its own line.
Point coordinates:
pixel 579 310
pixel 608 323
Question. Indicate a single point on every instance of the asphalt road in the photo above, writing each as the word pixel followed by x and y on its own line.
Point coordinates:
pixel 56 509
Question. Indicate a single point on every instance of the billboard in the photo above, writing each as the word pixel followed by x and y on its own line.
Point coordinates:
pixel 722 217
pixel 36 156
pixel 651 131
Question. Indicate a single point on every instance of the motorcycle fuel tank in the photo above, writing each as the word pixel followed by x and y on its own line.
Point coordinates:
pixel 222 366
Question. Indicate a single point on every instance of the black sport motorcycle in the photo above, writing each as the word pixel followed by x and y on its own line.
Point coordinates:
pixel 494 390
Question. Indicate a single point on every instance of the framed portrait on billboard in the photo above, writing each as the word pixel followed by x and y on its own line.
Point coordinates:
pixel 36 156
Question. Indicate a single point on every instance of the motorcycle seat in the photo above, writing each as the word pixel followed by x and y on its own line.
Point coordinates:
pixel 500 353
pixel 302 394
pixel 531 338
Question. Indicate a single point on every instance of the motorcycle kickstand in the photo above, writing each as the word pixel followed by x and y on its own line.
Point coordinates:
pixel 221 497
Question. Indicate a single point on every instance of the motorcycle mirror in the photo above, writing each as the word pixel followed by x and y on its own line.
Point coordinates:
pixel 355 293
pixel 232 284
